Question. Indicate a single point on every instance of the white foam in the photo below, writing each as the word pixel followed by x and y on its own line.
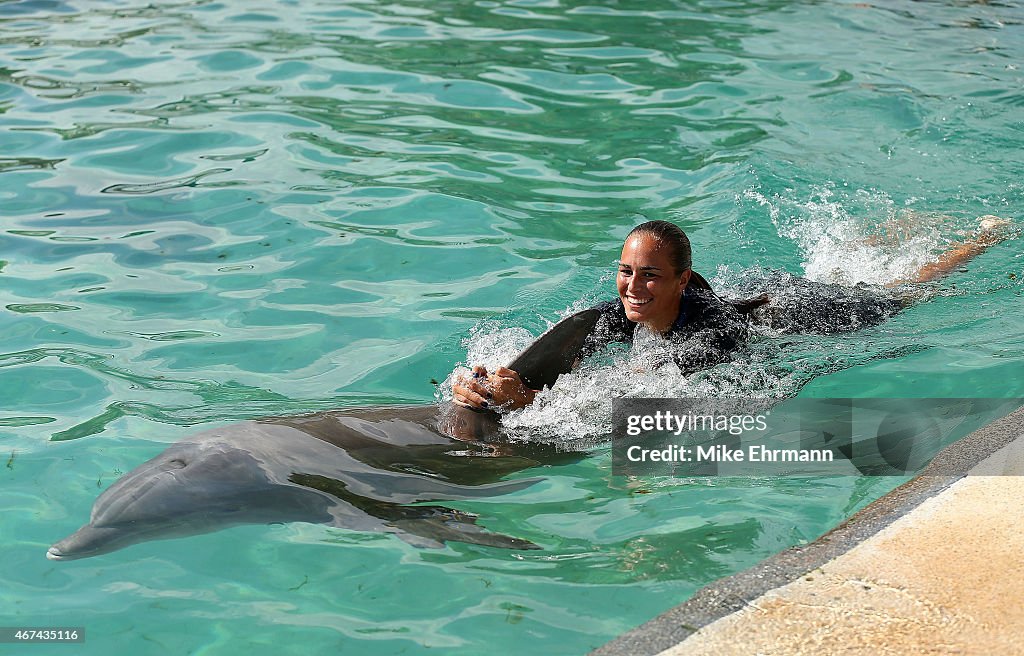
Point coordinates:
pixel 488 346
pixel 859 236
pixel 576 413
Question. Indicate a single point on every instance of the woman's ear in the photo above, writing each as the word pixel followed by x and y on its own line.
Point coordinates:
pixel 684 279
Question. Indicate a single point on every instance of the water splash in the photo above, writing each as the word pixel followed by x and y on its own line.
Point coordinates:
pixel 861 236
pixel 576 412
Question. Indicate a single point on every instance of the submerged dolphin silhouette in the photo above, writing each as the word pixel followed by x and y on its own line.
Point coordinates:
pixel 355 469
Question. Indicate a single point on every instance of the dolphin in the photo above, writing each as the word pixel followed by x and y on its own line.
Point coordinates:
pixel 359 469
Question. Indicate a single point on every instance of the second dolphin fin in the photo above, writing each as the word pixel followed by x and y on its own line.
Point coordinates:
pixel 554 353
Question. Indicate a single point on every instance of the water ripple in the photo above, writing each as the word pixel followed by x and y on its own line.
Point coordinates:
pixel 214 211
pixel 162 185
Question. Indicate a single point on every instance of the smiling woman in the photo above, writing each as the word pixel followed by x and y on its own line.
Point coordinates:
pixel 659 290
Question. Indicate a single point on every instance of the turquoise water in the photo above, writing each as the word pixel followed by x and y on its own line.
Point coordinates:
pixel 215 211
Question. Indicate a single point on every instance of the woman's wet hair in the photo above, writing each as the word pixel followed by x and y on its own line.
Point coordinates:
pixel 673 236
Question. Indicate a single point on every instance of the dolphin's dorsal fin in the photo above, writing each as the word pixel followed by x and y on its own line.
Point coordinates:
pixel 748 305
pixel 554 353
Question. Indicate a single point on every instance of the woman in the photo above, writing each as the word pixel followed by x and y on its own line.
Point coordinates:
pixel 659 291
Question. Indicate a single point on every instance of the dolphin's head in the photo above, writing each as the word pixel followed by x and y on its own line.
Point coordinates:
pixel 188 489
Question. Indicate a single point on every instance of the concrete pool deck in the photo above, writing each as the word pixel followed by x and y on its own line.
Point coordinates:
pixel 934 567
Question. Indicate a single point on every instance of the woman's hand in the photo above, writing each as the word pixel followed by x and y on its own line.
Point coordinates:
pixel 501 389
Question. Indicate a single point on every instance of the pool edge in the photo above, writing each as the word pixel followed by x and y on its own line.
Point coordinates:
pixel 735 593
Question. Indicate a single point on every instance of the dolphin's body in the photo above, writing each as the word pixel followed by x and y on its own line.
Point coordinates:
pixel 357 469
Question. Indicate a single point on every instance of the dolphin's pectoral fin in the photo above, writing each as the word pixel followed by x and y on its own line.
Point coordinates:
pixel 421 526
pixel 439 525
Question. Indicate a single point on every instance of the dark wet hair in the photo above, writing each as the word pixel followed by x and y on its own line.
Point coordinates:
pixel 673 236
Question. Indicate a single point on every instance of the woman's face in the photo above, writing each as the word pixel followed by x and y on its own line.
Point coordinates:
pixel 648 284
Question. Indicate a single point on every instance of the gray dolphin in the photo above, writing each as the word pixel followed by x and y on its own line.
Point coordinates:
pixel 357 469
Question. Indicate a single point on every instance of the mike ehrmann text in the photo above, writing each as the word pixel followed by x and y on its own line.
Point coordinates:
pixel 721 453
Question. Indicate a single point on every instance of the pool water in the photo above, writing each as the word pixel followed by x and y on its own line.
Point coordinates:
pixel 215 211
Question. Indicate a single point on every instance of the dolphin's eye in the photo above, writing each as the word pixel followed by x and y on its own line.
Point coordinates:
pixel 176 463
